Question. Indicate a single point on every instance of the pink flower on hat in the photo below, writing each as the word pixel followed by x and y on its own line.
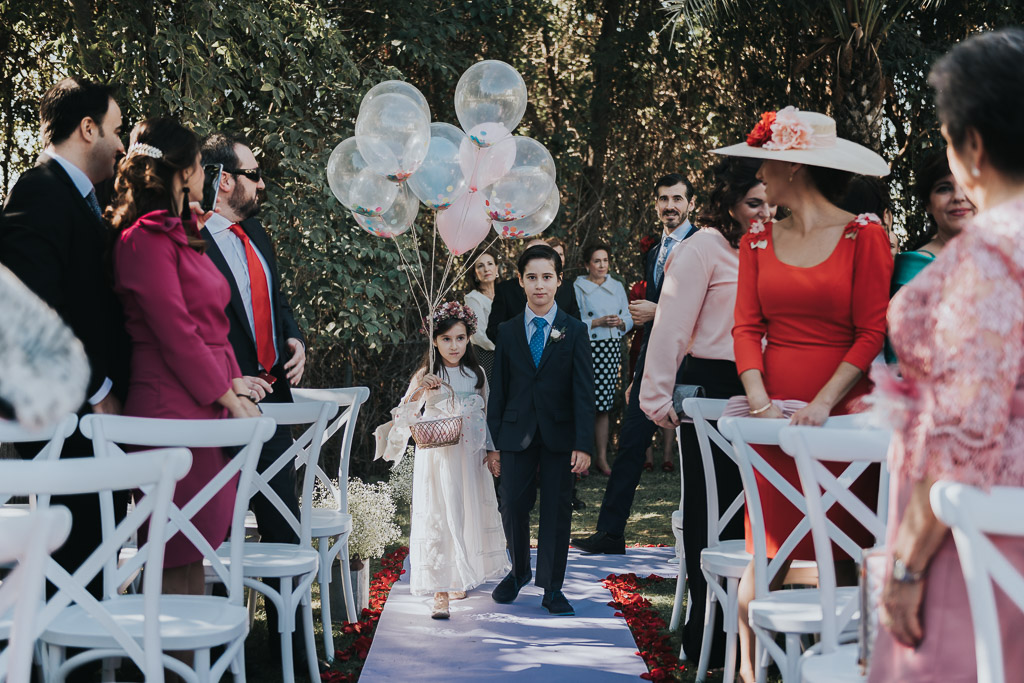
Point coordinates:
pixel 789 131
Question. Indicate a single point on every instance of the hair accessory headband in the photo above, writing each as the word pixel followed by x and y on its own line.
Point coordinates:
pixel 142 149
pixel 449 310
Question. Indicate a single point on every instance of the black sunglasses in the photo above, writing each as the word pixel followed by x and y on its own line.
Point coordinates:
pixel 253 174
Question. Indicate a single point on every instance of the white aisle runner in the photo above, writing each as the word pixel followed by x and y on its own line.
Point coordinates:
pixel 521 641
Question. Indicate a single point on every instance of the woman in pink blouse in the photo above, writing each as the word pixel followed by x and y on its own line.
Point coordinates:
pixel 693 331
pixel 958 329
pixel 174 299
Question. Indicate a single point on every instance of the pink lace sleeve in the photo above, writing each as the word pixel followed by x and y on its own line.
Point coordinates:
pixel 964 429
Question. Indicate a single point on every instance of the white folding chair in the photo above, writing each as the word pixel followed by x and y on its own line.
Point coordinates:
pixel 860 448
pixel 293 565
pixel 721 560
pixel 792 613
pixel 973 515
pixel 335 524
pixel 116 626
pixel 54 435
pixel 195 623
pixel 26 541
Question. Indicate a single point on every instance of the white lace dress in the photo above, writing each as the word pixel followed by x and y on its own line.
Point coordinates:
pixel 456 542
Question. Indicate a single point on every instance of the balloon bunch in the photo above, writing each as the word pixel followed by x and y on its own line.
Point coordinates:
pixel 474 178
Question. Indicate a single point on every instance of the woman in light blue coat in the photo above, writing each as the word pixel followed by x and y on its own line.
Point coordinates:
pixel 605 309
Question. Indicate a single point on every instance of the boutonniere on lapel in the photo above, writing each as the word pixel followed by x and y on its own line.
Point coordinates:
pixel 556 335
pixel 757 228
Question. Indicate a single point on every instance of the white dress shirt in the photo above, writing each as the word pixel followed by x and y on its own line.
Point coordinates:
pixel 481 306
pixel 529 317
pixel 234 253
pixel 598 300
pixel 85 186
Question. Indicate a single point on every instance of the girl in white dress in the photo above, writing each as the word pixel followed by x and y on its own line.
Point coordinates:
pixel 456 542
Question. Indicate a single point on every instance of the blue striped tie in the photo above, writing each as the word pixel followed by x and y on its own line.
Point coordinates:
pixel 537 340
pixel 90 199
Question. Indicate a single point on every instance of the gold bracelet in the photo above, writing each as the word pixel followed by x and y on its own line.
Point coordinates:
pixel 761 410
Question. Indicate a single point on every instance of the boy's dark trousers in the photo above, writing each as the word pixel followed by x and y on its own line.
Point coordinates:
pixel 518 495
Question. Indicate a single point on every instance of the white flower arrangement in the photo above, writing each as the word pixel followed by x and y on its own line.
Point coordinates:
pixel 373 518
pixel 400 479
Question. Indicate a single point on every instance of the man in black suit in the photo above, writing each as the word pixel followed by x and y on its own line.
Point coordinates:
pixel 541 413
pixel 53 237
pixel 674 201
pixel 510 300
pixel 270 349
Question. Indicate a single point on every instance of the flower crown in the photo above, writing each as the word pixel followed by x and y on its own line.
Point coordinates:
pixel 450 310
pixel 782 130
pixel 142 149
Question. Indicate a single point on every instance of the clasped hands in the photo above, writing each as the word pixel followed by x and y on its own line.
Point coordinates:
pixel 608 321
pixel 813 414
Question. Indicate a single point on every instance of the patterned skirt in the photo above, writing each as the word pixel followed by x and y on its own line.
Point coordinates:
pixel 607 367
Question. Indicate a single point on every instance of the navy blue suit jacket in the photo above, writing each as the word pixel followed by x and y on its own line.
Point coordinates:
pixel 554 399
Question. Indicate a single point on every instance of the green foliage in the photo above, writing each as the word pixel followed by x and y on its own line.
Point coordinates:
pixel 617 99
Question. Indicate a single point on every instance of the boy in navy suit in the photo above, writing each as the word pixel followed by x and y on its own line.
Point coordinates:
pixel 541 413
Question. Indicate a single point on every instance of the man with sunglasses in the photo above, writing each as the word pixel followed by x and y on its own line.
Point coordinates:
pixel 270 348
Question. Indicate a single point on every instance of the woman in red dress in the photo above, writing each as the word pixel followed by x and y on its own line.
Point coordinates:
pixel 810 306
pixel 174 299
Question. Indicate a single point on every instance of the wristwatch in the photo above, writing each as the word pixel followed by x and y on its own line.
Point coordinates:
pixel 901 574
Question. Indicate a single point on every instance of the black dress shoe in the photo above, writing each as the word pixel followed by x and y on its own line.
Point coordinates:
pixel 556 604
pixel 577 504
pixel 601 543
pixel 509 588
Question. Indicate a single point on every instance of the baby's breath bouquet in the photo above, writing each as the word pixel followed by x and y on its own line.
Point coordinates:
pixel 373 519
pixel 400 479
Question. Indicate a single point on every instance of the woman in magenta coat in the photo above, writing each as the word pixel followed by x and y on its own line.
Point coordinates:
pixel 174 299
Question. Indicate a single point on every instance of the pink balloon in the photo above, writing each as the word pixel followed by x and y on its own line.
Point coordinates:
pixel 464 224
pixel 484 165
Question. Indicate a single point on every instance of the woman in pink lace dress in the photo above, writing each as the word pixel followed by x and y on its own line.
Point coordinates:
pixel 958 329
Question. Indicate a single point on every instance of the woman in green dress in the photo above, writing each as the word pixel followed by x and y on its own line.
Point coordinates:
pixel 949 210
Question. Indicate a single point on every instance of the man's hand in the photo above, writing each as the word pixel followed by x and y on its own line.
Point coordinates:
pixel 670 421
pixel 580 462
pixel 642 311
pixel 297 364
pixel 259 387
pixel 492 461
pixel 108 406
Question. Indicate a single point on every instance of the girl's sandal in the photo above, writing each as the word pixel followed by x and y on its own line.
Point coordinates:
pixel 667 466
pixel 440 606
pixel 456 595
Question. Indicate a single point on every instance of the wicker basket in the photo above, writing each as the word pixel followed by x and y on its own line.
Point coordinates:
pixel 437 433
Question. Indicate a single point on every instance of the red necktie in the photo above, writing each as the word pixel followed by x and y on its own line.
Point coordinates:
pixel 265 352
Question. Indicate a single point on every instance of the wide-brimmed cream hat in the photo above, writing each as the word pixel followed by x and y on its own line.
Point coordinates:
pixel 806 137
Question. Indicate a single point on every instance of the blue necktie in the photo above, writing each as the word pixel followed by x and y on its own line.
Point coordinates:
pixel 537 340
pixel 659 266
pixel 90 199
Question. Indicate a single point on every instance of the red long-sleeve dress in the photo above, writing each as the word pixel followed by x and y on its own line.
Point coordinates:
pixel 812 320
pixel 174 300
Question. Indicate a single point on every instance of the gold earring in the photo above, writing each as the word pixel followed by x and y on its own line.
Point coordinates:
pixel 791 176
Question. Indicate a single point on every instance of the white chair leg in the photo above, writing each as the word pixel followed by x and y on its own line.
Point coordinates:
pixel 731 614
pixel 324 579
pixel 710 617
pixel 202 664
pixel 285 628
pixel 762 659
pixel 238 666
pixel 310 638
pixel 677 606
pixel 346 582
pixel 792 669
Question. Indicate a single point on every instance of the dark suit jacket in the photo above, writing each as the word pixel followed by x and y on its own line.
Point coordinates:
pixel 52 241
pixel 510 300
pixel 240 335
pixel 554 399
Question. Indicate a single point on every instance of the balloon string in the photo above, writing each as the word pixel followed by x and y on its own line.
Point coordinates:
pixel 461 272
pixel 465 209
